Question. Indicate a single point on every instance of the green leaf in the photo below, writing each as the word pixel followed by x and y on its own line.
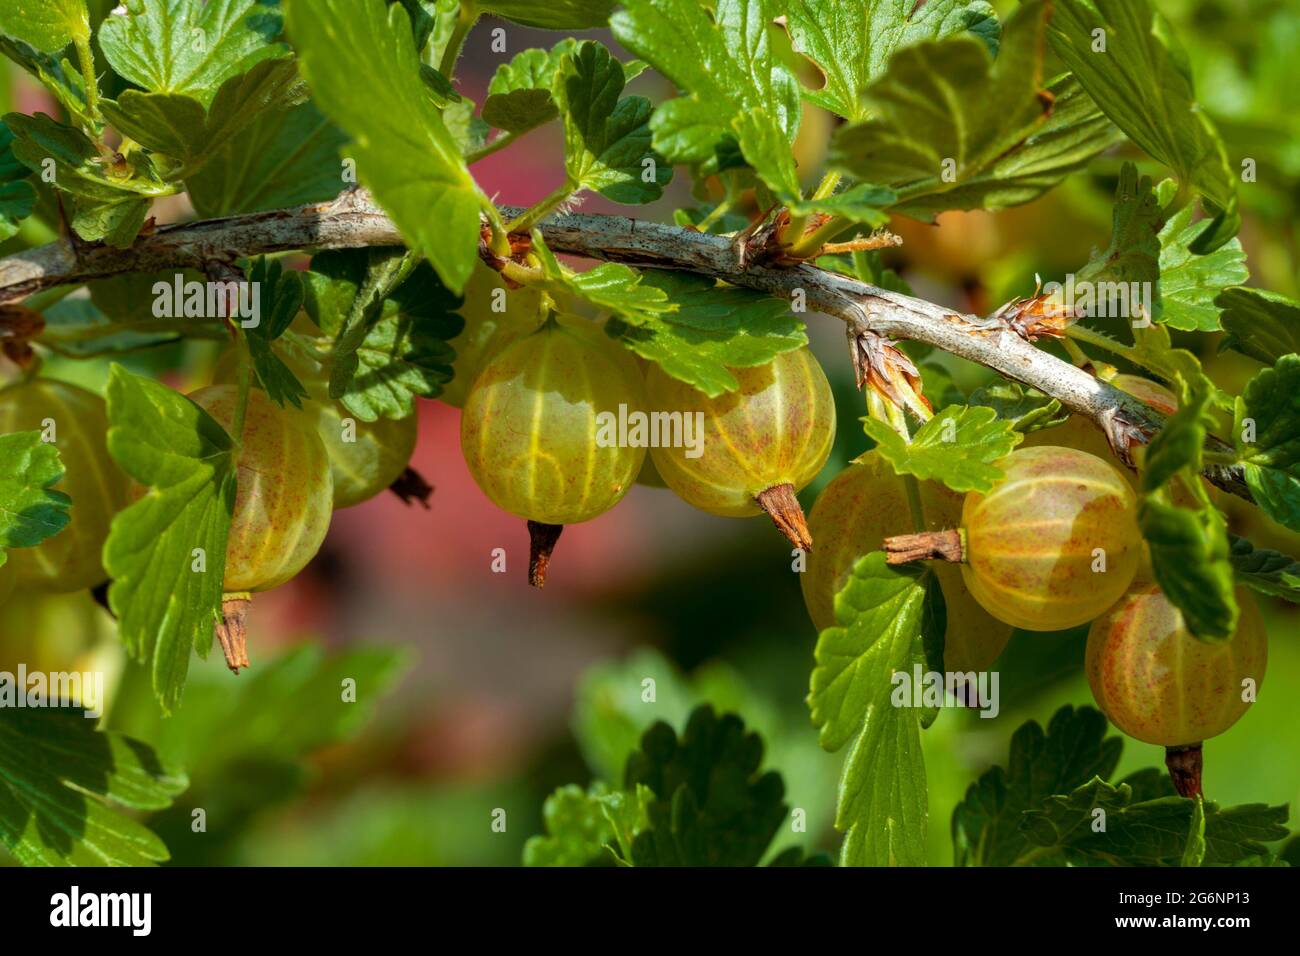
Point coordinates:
pixel 30 510
pixel 1027 409
pixel 713 328
pixel 164 607
pixel 987 135
pixel 188 48
pixel 177 125
pixel 283 158
pixel 879 632
pixel 281 296
pixel 726 68
pixel 404 354
pixel 611 287
pixel 290 707
pixel 1179 446
pixel 1271 462
pixel 1159 832
pixel 17 197
pixel 606 139
pixel 959 446
pixel 1143 82
pixel 712 804
pixel 1189 557
pixel 57 74
pixel 361 62
pixel 986 826
pixel 862 203
pixel 1261 324
pixel 1190 282
pixel 520 95
pixel 106 206
pixel 553 14
pixel 48 25
pixel 1133 254
pixel 1268 572
pixel 851 41
pixel 58 777
pixel 577 829
pixel 609 714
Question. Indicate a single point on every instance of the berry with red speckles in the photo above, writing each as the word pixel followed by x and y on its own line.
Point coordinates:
pixel 531 436
pixel 1054 543
pixel 285 499
pixel 1158 683
pixel 864 504
pixel 760 444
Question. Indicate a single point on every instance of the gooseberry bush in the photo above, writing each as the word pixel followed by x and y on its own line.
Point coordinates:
pixel 291 190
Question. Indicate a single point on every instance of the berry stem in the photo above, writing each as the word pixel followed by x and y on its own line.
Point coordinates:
pixel 1186 765
pixel 542 539
pixel 232 629
pixel 949 545
pixel 411 487
pixel 784 509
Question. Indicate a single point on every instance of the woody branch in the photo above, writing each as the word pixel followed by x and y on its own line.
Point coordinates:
pixel 352 220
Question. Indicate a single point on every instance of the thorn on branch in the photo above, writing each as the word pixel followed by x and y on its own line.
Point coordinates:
pixel 1033 318
pixel 880 239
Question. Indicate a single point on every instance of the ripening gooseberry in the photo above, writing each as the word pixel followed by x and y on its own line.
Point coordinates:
pixel 760 444
pixel 78 421
pixel 495 315
pixel 866 503
pixel 531 429
pixel 283 506
pixel 366 458
pixel 1054 543
pixel 1158 683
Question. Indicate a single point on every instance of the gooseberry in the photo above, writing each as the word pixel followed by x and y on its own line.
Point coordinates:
pixel 862 505
pixel 366 458
pixel 495 315
pixel 1055 542
pixel 1159 684
pixel 531 429
pixel 283 506
pixel 760 444
pixel 76 420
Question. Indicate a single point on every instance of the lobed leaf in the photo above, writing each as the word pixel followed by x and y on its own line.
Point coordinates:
pixel 1271 462
pixel 364 71
pixel 187 48
pixel 959 446
pixel 879 631
pixel 851 41
pixel 1261 324
pixel 165 600
pixel 712 329
pixel 58 777
pixel 1142 81
pixel 30 509
pixel 951 128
